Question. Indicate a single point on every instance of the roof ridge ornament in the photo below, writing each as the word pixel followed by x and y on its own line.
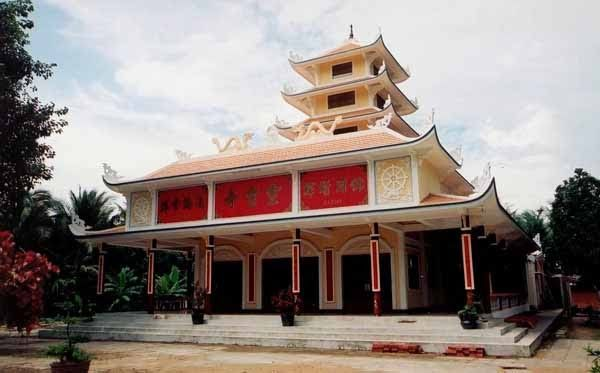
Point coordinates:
pixel 295 56
pixel 382 122
pixel 315 129
pixel 351 36
pixel 381 68
pixel 234 144
pixel 281 124
pixel 481 182
pixel 273 136
pixel 456 153
pixel 182 156
pixel 78 224
pixel 110 174
pixel 288 88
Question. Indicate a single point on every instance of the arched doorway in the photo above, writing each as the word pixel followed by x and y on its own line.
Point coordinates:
pixel 276 274
pixel 355 276
pixel 227 278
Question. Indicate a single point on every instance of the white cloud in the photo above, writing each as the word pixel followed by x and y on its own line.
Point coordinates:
pixel 515 82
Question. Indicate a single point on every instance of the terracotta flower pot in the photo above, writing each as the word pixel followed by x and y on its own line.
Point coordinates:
pixel 70 367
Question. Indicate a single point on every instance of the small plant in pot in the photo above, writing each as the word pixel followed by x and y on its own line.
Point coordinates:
pixel 198 304
pixel 287 304
pixel 468 317
pixel 72 359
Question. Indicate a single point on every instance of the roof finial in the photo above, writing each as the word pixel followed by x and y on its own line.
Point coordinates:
pixel 351 32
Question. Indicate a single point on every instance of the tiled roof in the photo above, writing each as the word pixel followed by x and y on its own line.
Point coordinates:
pixel 436 199
pixel 325 146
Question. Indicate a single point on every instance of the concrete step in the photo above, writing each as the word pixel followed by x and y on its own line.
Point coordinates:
pixel 433 346
pixel 498 331
pixel 304 332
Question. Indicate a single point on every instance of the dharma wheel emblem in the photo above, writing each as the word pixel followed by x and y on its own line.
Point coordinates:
pixel 141 210
pixel 393 180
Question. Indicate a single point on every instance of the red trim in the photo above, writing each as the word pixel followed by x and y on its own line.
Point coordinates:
pixel 375 285
pixel 467 261
pixel 265 195
pixel 329 276
pixel 100 279
pixel 208 271
pixel 296 268
pixel 334 187
pixel 150 279
pixel 251 276
pixel 182 204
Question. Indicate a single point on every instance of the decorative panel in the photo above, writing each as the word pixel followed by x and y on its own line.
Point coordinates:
pixel 141 209
pixel 334 187
pixel 182 204
pixel 265 195
pixel 393 180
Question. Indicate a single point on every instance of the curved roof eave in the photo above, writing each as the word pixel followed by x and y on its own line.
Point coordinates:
pixel 491 190
pixel 425 136
pixel 511 218
pixel 298 65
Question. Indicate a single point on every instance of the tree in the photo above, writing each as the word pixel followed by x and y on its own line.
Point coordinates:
pixel 575 225
pixel 124 287
pixel 22 277
pixel 535 222
pixel 171 283
pixel 35 222
pixel 24 120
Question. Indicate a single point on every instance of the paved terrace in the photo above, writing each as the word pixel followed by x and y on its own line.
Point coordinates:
pixel 357 333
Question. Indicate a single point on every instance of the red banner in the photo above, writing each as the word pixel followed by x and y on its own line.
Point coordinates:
pixel 266 195
pixel 334 187
pixel 184 204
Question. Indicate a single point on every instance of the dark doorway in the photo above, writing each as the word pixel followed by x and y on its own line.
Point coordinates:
pixel 277 275
pixel 356 283
pixel 227 287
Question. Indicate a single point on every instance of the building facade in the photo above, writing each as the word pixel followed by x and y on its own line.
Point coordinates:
pixel 355 211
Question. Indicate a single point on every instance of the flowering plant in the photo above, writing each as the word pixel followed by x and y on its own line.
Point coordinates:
pixel 22 277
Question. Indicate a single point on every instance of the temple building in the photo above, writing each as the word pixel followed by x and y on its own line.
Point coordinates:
pixel 353 209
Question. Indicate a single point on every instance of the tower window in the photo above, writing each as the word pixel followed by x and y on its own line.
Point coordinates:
pixel 341 99
pixel 341 69
pixel 339 131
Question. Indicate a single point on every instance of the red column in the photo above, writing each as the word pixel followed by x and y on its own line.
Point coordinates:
pixel 467 256
pixel 296 263
pixel 375 274
pixel 150 277
pixel 208 267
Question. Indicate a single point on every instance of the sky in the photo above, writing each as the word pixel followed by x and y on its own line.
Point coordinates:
pixel 514 83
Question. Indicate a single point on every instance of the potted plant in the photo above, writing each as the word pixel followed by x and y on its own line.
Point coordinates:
pixel 468 317
pixel 198 304
pixel 72 359
pixel 287 304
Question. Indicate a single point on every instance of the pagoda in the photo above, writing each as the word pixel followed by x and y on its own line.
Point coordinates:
pixel 356 212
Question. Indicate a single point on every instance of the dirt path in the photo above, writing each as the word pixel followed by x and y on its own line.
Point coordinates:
pixel 565 355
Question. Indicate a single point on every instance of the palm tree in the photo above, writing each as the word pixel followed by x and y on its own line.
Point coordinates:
pixel 95 208
pixel 171 283
pixel 35 221
pixel 124 287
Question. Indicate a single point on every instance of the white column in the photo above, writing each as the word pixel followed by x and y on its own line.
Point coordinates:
pixel 295 191
pixel 415 178
pixel 210 210
pixel 371 181
pixel 402 272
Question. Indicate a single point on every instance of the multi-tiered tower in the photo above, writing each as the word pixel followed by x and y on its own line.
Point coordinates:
pixel 357 84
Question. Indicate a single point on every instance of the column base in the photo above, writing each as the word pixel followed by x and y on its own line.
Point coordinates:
pixel 207 305
pixel 377 303
pixel 150 304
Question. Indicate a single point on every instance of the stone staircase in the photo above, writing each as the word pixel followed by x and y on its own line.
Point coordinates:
pixel 433 333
